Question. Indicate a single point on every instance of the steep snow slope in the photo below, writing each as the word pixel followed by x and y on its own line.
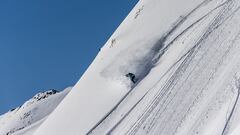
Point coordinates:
pixel 26 118
pixel 185 58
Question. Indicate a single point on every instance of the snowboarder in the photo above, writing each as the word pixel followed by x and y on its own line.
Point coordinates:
pixel 132 77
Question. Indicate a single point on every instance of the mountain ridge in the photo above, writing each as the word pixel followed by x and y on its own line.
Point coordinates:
pixel 32 112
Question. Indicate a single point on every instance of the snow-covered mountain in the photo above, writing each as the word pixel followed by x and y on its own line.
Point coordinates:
pixel 171 68
pixel 24 120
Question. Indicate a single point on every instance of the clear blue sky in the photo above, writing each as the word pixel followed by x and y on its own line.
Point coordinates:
pixel 49 43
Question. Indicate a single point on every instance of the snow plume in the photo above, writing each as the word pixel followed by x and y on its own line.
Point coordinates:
pixel 138 59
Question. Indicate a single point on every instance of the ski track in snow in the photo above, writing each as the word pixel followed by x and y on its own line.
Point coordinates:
pixel 237 83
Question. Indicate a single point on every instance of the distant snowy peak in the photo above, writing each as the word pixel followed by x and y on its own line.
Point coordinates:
pixel 35 99
pixel 31 112
pixel 41 96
